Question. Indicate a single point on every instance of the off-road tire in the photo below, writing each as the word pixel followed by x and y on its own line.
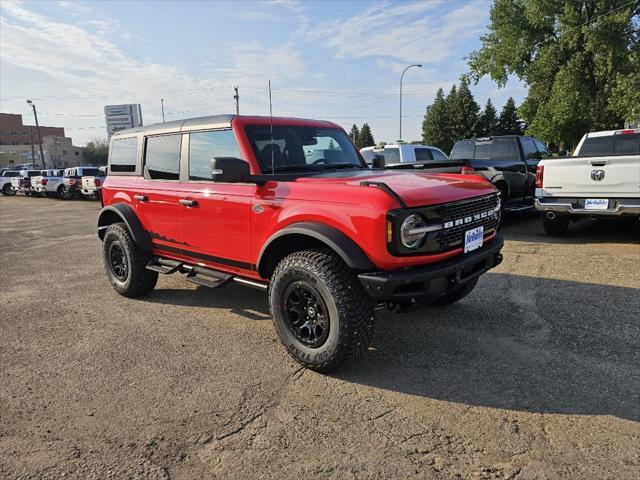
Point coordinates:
pixel 7 191
pixel 350 310
pixel 456 294
pixel 139 281
pixel 557 226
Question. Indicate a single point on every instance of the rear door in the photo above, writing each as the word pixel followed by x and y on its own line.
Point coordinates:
pixel 156 192
pixel 214 219
pixel 501 157
pixel 531 156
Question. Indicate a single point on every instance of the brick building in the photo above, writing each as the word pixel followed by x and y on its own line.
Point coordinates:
pixel 14 132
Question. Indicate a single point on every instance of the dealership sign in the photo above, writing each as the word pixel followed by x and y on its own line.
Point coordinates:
pixel 121 117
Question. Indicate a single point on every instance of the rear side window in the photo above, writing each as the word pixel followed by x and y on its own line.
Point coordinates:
pixel 423 154
pixel 504 149
pixel 627 143
pixel 594 146
pixel 462 150
pixel 123 155
pixel 544 151
pixel 391 155
pixel 204 146
pixel 162 157
pixel 438 155
pixel 529 149
pixel 11 174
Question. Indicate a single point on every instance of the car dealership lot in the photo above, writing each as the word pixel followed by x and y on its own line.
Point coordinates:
pixel 535 375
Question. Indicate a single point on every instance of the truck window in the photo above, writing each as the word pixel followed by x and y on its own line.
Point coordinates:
pixel 423 154
pixel 162 157
pixel 462 150
pixel 627 143
pixel 89 172
pixel 544 151
pixel 483 151
pixel 504 149
pixel 529 149
pixel 122 157
pixel 204 146
pixel 438 155
pixel 595 146
pixel 391 155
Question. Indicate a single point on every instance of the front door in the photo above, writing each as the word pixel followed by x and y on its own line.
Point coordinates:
pixel 156 194
pixel 214 217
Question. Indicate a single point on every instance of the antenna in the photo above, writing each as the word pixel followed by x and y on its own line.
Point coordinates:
pixel 273 170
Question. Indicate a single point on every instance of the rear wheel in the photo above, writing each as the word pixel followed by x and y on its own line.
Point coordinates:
pixel 457 294
pixel 557 226
pixel 64 193
pixel 320 310
pixel 6 190
pixel 125 263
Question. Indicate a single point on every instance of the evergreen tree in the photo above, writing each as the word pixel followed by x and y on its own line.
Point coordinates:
pixel 354 134
pixel 366 137
pixel 488 121
pixel 435 130
pixel 332 145
pixel 508 123
pixel 465 116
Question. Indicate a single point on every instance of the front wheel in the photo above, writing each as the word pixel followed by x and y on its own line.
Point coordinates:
pixel 125 263
pixel 320 310
pixel 8 191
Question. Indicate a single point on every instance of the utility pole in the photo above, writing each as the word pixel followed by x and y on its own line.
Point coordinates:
pixel 35 114
pixel 416 65
pixel 162 105
pixel 237 99
pixel 33 151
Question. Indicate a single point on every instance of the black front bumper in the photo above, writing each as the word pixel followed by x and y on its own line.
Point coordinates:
pixel 426 283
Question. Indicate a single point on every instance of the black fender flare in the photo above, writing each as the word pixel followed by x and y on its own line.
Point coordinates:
pixel 334 239
pixel 121 212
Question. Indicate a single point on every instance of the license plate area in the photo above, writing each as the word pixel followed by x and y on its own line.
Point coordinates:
pixel 473 239
pixel 596 204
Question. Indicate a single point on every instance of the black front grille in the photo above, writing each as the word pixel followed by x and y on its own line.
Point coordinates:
pixel 468 214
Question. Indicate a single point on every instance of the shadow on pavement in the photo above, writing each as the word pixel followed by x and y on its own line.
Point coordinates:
pixel 518 343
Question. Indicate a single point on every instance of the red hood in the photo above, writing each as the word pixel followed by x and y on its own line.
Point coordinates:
pixel 418 189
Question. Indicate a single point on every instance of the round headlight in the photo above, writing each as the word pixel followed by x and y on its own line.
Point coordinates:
pixel 413 230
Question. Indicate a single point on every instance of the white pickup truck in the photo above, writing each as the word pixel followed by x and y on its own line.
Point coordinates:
pixel 49 183
pixel 601 179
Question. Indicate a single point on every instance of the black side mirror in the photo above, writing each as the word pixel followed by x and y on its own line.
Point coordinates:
pixel 229 169
pixel 378 161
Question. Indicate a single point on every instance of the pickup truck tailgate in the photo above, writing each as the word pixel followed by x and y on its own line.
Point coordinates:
pixel 88 183
pixel 607 176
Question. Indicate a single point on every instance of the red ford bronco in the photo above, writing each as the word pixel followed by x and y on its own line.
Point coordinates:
pixel 289 206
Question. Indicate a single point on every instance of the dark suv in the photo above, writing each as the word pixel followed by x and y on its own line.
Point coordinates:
pixel 507 161
pixel 290 207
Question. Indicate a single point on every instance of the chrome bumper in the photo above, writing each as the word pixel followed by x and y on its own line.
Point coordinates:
pixel 621 206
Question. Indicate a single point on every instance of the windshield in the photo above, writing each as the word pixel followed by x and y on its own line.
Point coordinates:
pixel 301 148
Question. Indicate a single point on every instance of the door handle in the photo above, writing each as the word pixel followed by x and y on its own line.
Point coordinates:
pixel 188 203
pixel 141 198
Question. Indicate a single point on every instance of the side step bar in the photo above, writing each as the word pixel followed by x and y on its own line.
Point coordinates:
pixel 195 274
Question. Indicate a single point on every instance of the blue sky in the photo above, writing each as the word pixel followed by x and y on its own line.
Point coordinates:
pixel 333 60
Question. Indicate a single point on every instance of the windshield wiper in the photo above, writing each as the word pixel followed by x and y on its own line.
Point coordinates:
pixel 293 168
pixel 342 165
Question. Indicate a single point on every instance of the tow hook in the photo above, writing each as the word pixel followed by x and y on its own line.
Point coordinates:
pixel 498 259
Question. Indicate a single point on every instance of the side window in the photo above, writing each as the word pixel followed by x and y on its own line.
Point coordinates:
pixel 529 149
pixel 162 157
pixel 504 149
pixel 423 154
pixel 438 155
pixel 463 150
pixel 544 151
pixel 391 155
pixel 123 155
pixel 204 146
pixel 626 143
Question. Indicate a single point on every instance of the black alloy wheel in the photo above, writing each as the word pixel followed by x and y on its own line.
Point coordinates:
pixel 307 314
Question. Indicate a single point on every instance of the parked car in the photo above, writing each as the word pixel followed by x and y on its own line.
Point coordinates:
pixel 5 182
pixel 48 183
pixel 22 182
pixel 507 161
pixel 288 206
pixel 91 185
pixel 72 181
pixel 600 180
pixel 404 153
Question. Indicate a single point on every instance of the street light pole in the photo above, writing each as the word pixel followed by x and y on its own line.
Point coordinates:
pixel 162 105
pixel 415 65
pixel 35 114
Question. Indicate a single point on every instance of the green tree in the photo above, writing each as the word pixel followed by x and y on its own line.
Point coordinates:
pixel 488 121
pixel 464 118
pixel 354 134
pixel 579 59
pixel 96 152
pixel 508 123
pixel 435 129
pixel 332 145
pixel 366 137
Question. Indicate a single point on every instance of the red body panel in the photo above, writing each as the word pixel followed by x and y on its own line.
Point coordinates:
pixel 228 234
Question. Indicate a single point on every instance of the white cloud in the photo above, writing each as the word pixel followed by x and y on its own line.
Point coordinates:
pixel 408 32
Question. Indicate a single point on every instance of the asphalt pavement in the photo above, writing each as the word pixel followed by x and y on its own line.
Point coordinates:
pixel 535 375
